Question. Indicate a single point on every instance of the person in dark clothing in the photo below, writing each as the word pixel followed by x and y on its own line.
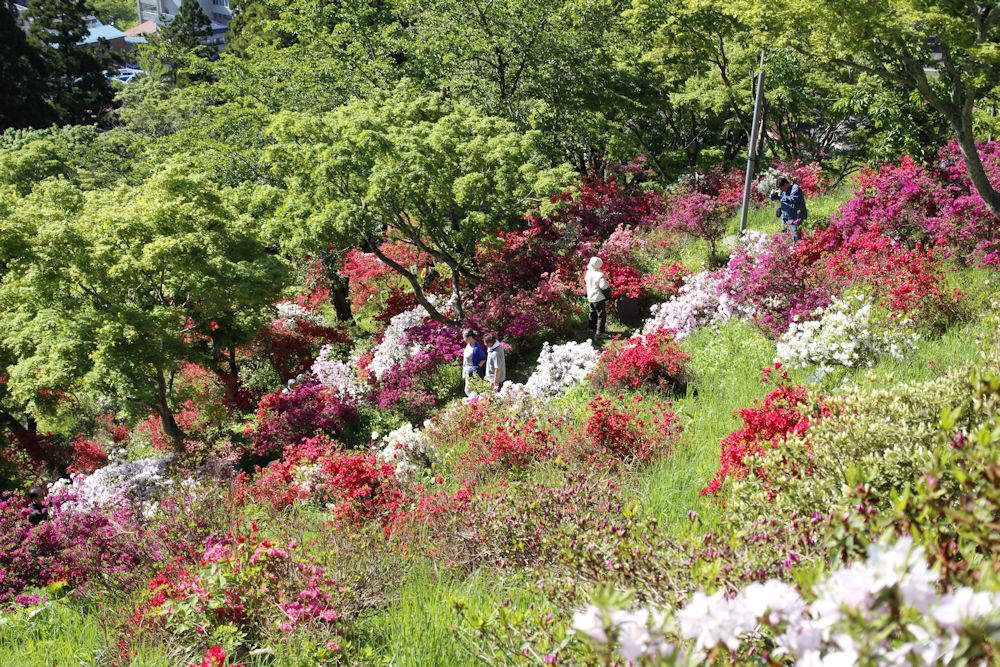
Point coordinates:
pixel 791 208
pixel 37 513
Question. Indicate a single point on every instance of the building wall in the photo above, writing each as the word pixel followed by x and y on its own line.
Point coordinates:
pixel 216 10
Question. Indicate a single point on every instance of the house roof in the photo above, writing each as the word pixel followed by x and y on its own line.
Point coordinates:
pixel 108 32
pixel 145 28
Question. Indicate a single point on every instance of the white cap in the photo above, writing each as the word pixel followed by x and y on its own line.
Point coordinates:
pixel 595 263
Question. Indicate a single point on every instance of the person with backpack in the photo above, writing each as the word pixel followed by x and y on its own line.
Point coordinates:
pixel 791 208
pixel 598 291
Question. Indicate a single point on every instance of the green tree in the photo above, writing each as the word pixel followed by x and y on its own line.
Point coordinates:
pixel 188 28
pixel 430 170
pixel 113 291
pixel 948 51
pixel 120 13
pixel 22 76
pixel 77 88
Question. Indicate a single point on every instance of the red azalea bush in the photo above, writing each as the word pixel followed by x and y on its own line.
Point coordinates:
pixel 618 434
pixel 308 410
pixel 666 281
pixel 87 456
pixel 513 445
pixel 910 282
pixel 783 412
pixel 215 657
pixel 291 347
pixel 360 488
pixel 652 360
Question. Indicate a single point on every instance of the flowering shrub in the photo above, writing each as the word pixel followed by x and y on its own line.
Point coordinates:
pixel 771 286
pixel 357 486
pixel 765 426
pixel 407 450
pixel 510 446
pixel 138 484
pixel 620 434
pixel 87 456
pixel 309 409
pixel 245 582
pixel 697 304
pixel 338 375
pixel 215 657
pixel 697 215
pixel 290 345
pixel 843 334
pixel 886 608
pixel 907 281
pixel 559 367
pixel 653 360
pixel 666 281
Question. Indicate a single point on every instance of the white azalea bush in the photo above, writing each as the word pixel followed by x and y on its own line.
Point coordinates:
pixel 141 484
pixel 393 349
pixel 886 610
pixel 290 313
pixel 338 375
pixel 846 333
pixel 559 368
pixel 697 304
pixel 408 449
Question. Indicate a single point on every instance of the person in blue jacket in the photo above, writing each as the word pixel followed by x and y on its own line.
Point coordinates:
pixel 791 208
pixel 473 358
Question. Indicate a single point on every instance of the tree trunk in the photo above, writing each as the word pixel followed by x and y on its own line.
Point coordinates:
pixel 456 293
pixel 170 427
pixel 340 296
pixel 418 290
pixel 967 142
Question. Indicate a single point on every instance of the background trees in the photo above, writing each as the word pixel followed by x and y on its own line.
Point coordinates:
pixel 427 169
pixel 946 51
pixel 112 294
pixel 76 86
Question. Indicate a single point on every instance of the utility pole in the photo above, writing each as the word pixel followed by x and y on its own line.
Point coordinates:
pixel 758 112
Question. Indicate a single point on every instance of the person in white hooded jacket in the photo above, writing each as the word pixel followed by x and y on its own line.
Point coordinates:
pixel 597 286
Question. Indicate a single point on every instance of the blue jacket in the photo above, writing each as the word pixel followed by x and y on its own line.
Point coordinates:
pixel 793 204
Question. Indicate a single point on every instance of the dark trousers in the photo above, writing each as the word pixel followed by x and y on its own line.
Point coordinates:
pixel 598 317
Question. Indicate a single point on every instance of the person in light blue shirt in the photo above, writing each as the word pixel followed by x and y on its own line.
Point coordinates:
pixel 791 208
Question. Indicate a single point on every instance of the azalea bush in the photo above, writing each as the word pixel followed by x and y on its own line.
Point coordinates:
pixel 652 360
pixel 783 412
pixel 137 484
pixel 356 486
pixel 886 608
pixel 846 333
pixel 887 433
pixel 772 286
pixel 559 367
pixel 308 409
pixel 697 215
pixel 243 588
pixel 699 302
